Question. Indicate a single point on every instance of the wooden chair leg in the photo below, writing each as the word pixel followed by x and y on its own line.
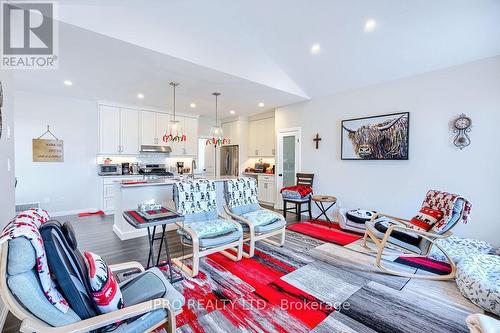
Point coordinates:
pixel 284 209
pixel 310 211
pixel 297 211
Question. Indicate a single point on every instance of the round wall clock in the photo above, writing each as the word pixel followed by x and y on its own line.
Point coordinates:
pixel 462 126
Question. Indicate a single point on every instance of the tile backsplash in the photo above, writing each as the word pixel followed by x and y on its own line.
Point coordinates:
pixel 146 159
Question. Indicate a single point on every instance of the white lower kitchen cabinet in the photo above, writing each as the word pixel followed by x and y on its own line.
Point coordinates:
pixel 267 189
pixel 108 189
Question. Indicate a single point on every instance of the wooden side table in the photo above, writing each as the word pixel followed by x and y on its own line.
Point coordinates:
pixel 320 201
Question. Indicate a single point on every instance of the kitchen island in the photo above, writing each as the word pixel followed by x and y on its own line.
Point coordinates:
pixel 128 195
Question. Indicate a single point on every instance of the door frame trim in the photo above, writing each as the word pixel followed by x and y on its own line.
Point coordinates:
pixel 281 131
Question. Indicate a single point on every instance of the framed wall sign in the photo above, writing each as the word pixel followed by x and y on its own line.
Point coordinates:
pixel 45 150
pixel 384 137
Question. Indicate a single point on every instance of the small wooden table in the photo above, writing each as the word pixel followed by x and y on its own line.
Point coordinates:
pixel 319 200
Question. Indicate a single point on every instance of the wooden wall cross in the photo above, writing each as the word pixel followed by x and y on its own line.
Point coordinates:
pixel 317 139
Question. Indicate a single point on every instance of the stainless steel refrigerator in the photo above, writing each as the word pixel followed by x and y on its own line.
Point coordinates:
pixel 229 161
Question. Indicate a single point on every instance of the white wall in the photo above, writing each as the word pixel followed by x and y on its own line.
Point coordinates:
pixel 7 180
pixel 398 187
pixel 60 187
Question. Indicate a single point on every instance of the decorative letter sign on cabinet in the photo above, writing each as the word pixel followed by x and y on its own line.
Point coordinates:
pixel 122 130
pixel 118 130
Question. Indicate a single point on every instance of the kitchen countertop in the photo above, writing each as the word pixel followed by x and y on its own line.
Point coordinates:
pixel 258 174
pixel 119 176
pixel 167 181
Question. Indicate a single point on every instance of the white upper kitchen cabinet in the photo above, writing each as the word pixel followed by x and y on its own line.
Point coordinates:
pixel 269 147
pixel 109 129
pixel 129 131
pixel 118 131
pixel 162 122
pixel 148 128
pixel 153 126
pixel 230 130
pixel 191 132
pixel 252 138
pixel 261 137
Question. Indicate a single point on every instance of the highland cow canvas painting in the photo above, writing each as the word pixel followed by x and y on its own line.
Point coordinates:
pixel 384 137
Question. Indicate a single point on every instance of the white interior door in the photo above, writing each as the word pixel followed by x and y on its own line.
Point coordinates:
pixel 288 160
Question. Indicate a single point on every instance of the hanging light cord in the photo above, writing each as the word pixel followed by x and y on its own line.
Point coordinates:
pixel 216 108
pixel 173 84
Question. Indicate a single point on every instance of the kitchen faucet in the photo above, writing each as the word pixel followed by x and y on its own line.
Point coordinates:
pixel 193 166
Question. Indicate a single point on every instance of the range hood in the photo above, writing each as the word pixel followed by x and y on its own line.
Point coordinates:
pixel 156 149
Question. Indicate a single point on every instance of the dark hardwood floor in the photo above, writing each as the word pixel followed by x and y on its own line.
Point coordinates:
pixel 95 234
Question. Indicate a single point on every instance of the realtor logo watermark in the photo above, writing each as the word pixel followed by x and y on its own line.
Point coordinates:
pixel 29 34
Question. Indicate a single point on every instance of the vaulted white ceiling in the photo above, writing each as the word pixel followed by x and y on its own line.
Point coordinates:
pixel 260 50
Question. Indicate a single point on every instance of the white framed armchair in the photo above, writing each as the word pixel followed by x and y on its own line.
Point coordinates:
pixel 401 234
pixel 203 229
pixel 259 224
pixel 29 304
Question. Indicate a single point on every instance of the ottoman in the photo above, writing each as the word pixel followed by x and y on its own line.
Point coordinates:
pixel 478 279
pixel 353 219
pixel 459 248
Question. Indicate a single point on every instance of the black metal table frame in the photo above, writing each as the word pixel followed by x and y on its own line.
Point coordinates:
pixel 323 210
pixel 151 256
pixel 151 228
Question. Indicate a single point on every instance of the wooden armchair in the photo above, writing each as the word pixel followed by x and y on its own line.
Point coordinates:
pixel 384 230
pixel 30 323
pixel 203 228
pixel 259 224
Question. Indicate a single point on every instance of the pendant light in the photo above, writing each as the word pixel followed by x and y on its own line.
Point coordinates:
pixel 175 130
pixel 216 134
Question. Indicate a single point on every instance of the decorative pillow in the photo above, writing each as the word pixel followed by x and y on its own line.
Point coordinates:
pixel 105 289
pixel 426 218
pixel 261 217
pixel 359 215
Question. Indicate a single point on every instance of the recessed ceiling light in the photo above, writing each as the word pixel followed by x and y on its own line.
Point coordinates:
pixel 370 25
pixel 261 105
pixel 315 49
pixel 68 83
pixel 140 96
pixel 193 105
pixel 232 112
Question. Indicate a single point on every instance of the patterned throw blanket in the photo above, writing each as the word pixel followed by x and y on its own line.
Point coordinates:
pixel 298 191
pixel 26 225
pixel 445 202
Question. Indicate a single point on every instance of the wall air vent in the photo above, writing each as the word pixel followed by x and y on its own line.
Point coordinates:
pixel 23 207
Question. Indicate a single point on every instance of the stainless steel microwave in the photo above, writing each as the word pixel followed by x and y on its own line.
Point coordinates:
pixel 109 169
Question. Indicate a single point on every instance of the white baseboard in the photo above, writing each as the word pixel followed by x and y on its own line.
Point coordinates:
pixel 72 212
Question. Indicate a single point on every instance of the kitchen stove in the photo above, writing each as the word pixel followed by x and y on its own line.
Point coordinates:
pixel 155 171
